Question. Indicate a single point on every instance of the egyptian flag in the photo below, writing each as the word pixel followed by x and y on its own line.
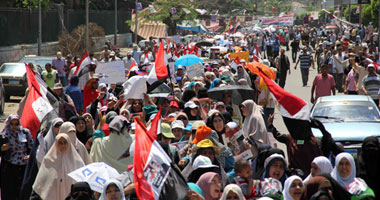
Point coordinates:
pixel 151 164
pixel 84 62
pixel 154 47
pixel 132 68
pixel 295 111
pixel 37 105
pixel 377 65
pixel 235 63
pixel 159 70
pixel 237 25
pixel 155 128
pixel 256 54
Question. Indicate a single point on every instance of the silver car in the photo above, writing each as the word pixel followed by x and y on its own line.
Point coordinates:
pixel 14 79
pixel 349 119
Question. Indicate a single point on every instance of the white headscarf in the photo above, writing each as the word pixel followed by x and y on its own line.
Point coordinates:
pixel 68 128
pixel 335 173
pixel 254 125
pixel 287 185
pixel 103 196
pixel 324 165
pixel 52 181
pixel 235 188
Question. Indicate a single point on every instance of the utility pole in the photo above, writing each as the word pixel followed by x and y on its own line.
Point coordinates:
pixel 349 12
pixel 378 35
pixel 360 14
pixel 136 11
pixel 39 28
pixel 115 36
pixel 87 39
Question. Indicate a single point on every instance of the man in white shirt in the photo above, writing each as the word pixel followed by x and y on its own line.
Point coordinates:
pixel 338 68
pixel 128 61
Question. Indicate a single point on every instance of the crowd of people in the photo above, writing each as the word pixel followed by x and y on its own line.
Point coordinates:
pixel 205 138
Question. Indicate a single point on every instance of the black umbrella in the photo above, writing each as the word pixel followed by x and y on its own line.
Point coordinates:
pixel 203 43
pixel 239 93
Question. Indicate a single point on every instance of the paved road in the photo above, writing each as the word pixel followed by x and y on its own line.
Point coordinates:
pixel 293 85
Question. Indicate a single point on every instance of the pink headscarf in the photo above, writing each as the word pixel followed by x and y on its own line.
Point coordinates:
pixel 204 183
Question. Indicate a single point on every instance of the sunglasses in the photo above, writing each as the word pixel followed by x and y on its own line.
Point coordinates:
pixel 57 125
pixel 14 124
pixel 181 118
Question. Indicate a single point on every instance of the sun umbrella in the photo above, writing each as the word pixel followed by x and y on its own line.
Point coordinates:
pixel 203 43
pixel 95 174
pixel 239 93
pixel 187 60
pixel 219 37
pixel 254 67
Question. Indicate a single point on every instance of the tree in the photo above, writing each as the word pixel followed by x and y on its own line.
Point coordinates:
pixel 170 12
pixel 32 4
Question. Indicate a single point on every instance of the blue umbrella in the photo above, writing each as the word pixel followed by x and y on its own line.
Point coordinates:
pixel 187 60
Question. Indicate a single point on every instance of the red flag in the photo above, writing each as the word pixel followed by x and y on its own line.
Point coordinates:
pixel 151 164
pixel 154 47
pixel 237 24
pixel 37 105
pixel 86 60
pixel 133 67
pixel 159 70
pixel 143 145
pixel 155 123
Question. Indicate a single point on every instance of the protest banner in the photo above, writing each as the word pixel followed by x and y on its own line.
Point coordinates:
pixel 241 55
pixel 281 21
pixel 195 70
pixel 234 140
pixel 113 72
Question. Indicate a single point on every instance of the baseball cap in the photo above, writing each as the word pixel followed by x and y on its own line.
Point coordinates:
pixel 188 127
pixel 112 53
pixel 166 130
pixel 174 103
pixel 180 67
pixel 371 65
pixel 242 61
pixel 197 124
pixel 190 104
pixel 177 124
pixel 202 162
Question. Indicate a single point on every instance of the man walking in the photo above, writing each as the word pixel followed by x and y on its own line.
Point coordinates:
pixel 59 65
pixel 338 67
pixel 283 65
pixel 371 84
pixel 305 60
pixel 295 47
pixel 323 84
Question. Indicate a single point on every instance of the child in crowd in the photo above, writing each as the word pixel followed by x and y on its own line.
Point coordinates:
pixel 244 178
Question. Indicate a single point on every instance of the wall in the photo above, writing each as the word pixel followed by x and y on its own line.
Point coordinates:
pixel 16 52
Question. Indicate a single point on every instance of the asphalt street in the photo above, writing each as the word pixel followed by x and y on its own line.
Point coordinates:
pixel 293 85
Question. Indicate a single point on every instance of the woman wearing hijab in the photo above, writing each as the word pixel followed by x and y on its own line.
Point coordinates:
pixel 369 163
pixel 137 106
pixel 109 149
pixel 16 143
pixel 81 191
pixel 112 190
pixel 275 166
pixel 69 129
pixel 253 126
pixel 215 83
pixel 217 123
pixel 344 171
pixel 324 184
pixel 242 74
pixel 48 141
pixel 211 185
pixel 319 165
pixel 52 181
pixel 81 128
pixel 293 188
pixel 183 117
pixel 202 112
pixel 232 191
pixel 192 111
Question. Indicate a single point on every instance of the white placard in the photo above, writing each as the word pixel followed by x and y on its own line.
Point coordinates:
pixel 113 72
pixel 195 70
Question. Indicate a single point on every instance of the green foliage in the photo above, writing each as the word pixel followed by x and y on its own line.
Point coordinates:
pixel 323 16
pixel 32 4
pixel 352 12
pixel 301 15
pixel 366 14
pixel 370 13
pixel 163 14
pixel 310 8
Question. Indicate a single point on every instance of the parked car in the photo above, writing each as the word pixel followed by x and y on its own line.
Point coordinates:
pixel 349 119
pixel 14 79
pixel 2 96
pixel 38 61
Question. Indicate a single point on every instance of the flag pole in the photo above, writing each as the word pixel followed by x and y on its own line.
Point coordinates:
pixel 170 79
